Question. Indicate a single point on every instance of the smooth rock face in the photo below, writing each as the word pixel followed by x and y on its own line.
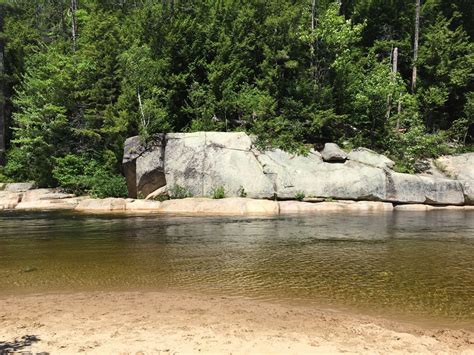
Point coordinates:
pixel 332 153
pixel 460 167
pixel 204 161
pixel 408 188
pixel 369 157
pixel 310 175
pixel 228 206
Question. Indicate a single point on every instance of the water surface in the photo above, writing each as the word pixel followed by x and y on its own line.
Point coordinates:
pixel 412 264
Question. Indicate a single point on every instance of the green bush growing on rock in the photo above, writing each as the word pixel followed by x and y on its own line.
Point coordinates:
pixel 179 192
pixel 300 195
pixel 218 193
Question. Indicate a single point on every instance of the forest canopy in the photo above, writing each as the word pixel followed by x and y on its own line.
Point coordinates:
pixel 80 76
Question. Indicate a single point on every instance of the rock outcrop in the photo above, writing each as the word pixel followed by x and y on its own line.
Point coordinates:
pixel 459 167
pixel 201 162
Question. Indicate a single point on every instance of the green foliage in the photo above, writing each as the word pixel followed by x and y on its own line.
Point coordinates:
pixel 300 195
pixel 82 175
pixel 218 193
pixel 179 192
pixel 142 67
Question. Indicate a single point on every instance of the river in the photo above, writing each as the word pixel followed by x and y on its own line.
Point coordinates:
pixel 400 264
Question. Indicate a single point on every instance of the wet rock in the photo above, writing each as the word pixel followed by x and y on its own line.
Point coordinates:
pixel 143 206
pixel 229 206
pixel 102 205
pixel 290 207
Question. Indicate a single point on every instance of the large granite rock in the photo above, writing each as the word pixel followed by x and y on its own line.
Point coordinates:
pixel 204 161
pixel 332 153
pixel 311 176
pixel 198 163
pixel 143 165
pixel 19 186
pixel 460 167
pixel 406 188
pixel 369 157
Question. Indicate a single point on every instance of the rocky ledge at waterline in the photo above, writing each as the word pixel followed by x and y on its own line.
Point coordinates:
pixel 54 199
pixel 197 164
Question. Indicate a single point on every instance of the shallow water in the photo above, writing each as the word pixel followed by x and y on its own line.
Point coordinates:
pixel 408 264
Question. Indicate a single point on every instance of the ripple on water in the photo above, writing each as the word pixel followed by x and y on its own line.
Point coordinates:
pixel 418 264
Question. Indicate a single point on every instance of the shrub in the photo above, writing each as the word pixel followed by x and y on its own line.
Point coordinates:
pixel 83 175
pixel 179 192
pixel 300 195
pixel 218 193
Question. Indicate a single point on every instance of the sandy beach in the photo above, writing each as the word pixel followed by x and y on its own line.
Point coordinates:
pixel 184 323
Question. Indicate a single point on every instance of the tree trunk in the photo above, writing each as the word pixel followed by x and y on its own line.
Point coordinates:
pixel 415 45
pixel 393 77
pixel 313 27
pixel 74 23
pixel 2 95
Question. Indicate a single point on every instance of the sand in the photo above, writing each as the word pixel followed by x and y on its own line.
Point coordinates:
pixel 186 323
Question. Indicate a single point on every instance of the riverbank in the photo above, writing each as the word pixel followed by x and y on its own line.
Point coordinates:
pixel 55 199
pixel 173 323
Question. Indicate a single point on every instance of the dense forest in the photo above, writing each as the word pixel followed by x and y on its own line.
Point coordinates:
pixel 80 76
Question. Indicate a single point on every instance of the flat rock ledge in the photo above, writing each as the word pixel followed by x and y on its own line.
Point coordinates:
pixel 49 200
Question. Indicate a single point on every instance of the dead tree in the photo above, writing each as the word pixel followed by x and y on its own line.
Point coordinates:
pixel 415 45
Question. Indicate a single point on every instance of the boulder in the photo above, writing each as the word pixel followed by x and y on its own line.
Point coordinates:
pixel 369 157
pixel 332 153
pixel 292 175
pixel 406 188
pixel 203 161
pixel 19 186
pixel 460 167
pixel 229 206
pixel 143 165
pixel 9 200
pixel 102 205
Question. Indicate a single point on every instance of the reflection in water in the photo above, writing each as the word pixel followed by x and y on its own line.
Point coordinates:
pixel 417 264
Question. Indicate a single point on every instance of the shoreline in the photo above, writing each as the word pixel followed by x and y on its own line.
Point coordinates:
pixel 183 322
pixel 56 200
